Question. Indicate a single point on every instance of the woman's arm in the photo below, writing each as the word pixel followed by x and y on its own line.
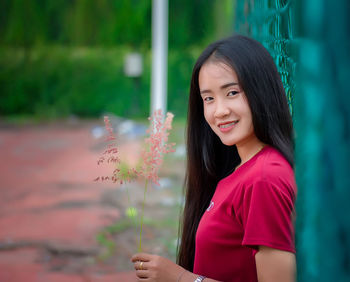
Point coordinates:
pixel 274 265
pixel 153 268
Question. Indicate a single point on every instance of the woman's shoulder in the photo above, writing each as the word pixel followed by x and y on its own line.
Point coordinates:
pixel 268 165
pixel 273 168
pixel 272 162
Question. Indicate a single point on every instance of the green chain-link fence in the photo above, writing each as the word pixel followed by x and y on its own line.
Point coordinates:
pixel 310 42
pixel 270 22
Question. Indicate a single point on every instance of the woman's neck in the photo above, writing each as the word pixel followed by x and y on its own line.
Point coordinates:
pixel 249 149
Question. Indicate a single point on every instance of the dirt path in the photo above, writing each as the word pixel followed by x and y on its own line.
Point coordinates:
pixel 51 211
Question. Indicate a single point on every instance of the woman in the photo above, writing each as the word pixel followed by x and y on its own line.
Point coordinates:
pixel 240 188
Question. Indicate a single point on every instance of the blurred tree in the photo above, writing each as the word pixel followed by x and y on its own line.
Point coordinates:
pixel 54 74
pixel 86 20
pixel 132 22
pixel 25 23
pixel 5 7
pixel 224 17
pixel 190 22
pixel 107 23
pixel 56 16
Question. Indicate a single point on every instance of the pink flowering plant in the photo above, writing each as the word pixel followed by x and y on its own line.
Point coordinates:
pixel 155 147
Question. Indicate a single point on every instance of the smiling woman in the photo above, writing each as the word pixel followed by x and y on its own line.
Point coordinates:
pixel 240 187
pixel 226 108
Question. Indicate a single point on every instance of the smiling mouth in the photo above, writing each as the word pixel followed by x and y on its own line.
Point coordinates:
pixel 228 125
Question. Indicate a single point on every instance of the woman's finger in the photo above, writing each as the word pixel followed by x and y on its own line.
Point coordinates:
pixel 140 265
pixel 144 279
pixel 141 257
pixel 142 274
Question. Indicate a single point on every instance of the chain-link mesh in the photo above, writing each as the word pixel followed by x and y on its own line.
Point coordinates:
pixel 313 36
pixel 270 22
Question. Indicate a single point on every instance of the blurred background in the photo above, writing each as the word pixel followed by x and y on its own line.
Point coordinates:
pixel 65 64
pixel 67 58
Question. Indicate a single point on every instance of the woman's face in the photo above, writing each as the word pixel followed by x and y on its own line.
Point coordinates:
pixel 226 108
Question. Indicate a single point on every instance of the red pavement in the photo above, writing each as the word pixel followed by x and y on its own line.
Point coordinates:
pixel 49 205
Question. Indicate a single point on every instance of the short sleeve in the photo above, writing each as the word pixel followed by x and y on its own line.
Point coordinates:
pixel 267 216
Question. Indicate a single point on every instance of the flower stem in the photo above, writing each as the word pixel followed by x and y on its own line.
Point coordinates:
pixel 142 212
pixel 133 220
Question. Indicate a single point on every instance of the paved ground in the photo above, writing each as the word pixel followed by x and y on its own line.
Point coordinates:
pixel 50 209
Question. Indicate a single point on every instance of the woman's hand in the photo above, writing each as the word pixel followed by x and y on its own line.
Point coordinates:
pixel 153 268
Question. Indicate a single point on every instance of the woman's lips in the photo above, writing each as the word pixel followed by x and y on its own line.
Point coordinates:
pixel 227 126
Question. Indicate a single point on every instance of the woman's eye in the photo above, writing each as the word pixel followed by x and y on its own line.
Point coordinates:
pixel 207 99
pixel 232 93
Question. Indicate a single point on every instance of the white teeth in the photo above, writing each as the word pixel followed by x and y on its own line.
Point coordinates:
pixel 228 124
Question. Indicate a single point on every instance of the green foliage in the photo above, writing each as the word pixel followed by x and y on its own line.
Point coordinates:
pixel 101 23
pixel 24 24
pixel 180 64
pixel 190 22
pixel 55 82
pixel 109 245
pixel 64 57
pixel 79 23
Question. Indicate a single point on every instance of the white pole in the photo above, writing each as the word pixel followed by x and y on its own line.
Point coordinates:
pixel 159 55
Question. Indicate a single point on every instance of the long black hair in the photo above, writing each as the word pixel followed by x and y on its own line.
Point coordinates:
pixel 208 159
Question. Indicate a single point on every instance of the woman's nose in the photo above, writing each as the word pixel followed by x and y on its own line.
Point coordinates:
pixel 221 109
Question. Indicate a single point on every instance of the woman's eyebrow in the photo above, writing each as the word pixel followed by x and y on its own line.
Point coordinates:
pixel 226 85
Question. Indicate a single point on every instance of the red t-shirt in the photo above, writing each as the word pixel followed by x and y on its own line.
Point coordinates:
pixel 252 206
